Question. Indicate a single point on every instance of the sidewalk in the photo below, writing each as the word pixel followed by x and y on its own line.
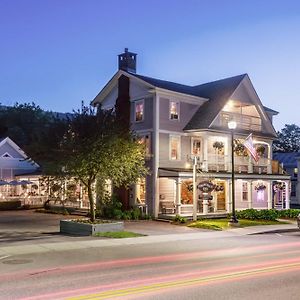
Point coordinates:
pixel 154 239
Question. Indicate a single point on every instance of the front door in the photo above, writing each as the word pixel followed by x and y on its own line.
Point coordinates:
pixel 221 197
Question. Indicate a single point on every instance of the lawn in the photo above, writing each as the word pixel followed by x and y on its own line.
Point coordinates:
pixel 118 234
pixel 222 224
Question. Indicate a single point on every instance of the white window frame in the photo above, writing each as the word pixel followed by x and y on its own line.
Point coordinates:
pixel 178 110
pixel 192 142
pixel 143 136
pixel 142 101
pixel 178 137
pixel 247 183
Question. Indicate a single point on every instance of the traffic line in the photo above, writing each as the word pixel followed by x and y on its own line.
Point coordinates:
pixel 186 282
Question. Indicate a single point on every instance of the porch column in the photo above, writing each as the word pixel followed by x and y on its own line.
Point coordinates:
pixel 229 197
pixel 269 164
pixel 205 153
pixel 270 194
pixel 178 196
pixel 250 186
pixel 287 195
pixel 250 165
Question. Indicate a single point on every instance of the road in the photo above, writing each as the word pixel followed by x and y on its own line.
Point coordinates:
pixel 208 266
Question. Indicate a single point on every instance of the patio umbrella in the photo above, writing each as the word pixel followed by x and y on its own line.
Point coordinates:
pixel 23 182
pixel 15 182
pixel 2 182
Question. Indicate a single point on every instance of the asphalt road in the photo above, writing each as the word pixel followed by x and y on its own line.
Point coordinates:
pixel 215 266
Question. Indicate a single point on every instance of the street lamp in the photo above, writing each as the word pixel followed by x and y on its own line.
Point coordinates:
pixel 232 126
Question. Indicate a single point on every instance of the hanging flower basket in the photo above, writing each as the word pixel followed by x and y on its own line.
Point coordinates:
pixel 239 148
pixel 260 187
pixel 260 150
pixel 279 186
pixel 219 146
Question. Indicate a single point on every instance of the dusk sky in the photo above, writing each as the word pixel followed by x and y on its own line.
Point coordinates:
pixel 59 52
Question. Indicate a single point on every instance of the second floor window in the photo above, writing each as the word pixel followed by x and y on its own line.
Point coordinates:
pixel 174 110
pixel 174 147
pixel 145 140
pixel 139 111
pixel 196 146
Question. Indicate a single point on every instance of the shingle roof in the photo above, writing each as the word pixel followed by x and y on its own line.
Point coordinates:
pixel 168 85
pixel 218 93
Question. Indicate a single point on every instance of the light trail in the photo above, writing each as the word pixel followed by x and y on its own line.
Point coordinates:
pixel 189 282
pixel 173 280
pixel 118 263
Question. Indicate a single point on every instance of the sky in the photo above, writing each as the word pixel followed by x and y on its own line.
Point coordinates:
pixel 58 53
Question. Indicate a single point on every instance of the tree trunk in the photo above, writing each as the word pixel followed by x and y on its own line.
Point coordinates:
pixel 91 200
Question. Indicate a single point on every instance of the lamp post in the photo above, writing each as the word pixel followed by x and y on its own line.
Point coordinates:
pixel 233 220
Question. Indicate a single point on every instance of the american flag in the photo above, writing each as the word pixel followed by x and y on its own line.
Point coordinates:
pixel 248 143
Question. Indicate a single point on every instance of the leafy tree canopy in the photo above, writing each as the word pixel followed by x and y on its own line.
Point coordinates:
pixel 288 139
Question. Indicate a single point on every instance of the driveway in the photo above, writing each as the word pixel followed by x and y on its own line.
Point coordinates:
pixel 27 226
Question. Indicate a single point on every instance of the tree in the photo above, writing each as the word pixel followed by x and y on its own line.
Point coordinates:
pixel 93 147
pixel 288 139
pixel 25 123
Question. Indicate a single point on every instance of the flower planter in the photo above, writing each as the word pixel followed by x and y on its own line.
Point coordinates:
pixel 73 227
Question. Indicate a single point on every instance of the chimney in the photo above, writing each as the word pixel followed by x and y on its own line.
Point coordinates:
pixel 127 61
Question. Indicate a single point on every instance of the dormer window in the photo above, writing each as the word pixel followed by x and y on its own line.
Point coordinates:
pixel 139 111
pixel 174 110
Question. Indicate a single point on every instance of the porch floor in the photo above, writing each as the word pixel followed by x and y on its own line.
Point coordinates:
pixel 189 216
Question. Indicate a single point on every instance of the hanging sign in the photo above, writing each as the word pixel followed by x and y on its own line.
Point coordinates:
pixel 206 186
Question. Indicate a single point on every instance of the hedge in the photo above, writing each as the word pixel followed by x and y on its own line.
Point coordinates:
pixel 10 205
pixel 267 214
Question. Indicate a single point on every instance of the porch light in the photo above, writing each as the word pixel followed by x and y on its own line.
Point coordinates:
pixel 233 221
pixel 232 125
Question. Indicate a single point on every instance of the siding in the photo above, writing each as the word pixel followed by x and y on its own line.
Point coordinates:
pixel 164 151
pixel 186 111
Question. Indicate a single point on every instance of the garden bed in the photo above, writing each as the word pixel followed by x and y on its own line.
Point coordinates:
pixel 85 227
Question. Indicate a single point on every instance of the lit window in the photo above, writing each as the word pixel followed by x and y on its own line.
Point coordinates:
pixel 145 140
pixel 174 147
pixel 174 110
pixel 245 190
pixel 139 111
pixel 196 146
pixel 295 171
pixel 141 191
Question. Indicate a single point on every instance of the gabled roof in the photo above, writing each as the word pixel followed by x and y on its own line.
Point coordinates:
pixel 218 93
pixel 168 85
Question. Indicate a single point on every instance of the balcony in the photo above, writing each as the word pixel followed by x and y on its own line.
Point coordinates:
pixel 222 163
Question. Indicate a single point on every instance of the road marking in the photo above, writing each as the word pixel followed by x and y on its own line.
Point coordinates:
pixel 278 234
pixel 187 282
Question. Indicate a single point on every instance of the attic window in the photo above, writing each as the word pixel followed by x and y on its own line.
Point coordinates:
pixel 6 155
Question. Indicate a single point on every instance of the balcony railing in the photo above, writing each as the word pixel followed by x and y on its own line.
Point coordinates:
pixel 222 163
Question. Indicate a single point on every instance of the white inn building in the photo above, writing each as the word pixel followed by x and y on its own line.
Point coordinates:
pixel 178 122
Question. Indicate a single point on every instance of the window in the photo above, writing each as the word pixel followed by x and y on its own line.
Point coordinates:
pixel 6 155
pixel 174 110
pixel 174 147
pixel 141 191
pixel 196 146
pixel 245 191
pixel 139 111
pixel 145 140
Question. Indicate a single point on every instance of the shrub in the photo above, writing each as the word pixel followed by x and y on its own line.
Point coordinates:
pixel 254 214
pixel 136 213
pixel 179 219
pixel 288 213
pixel 10 205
